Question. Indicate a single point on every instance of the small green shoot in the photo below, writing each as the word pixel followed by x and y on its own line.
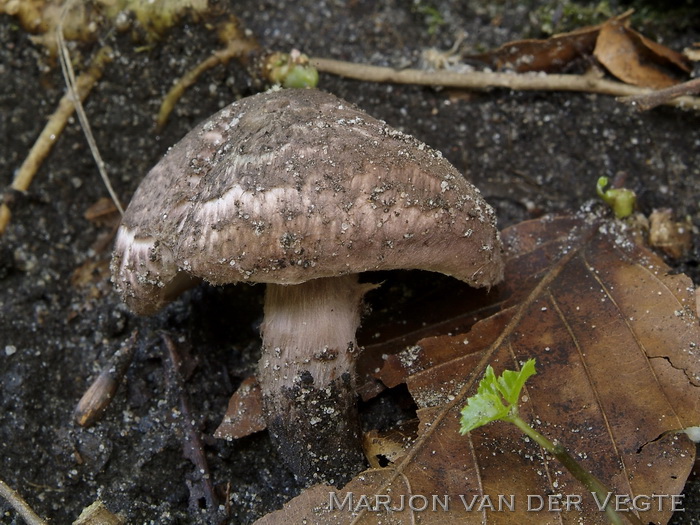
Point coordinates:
pixel 621 200
pixel 292 70
pixel 497 399
pixel 488 405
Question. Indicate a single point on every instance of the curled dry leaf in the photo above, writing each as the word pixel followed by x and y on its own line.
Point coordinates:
pixel 382 448
pixel 674 238
pixel 615 337
pixel 550 55
pixel 635 59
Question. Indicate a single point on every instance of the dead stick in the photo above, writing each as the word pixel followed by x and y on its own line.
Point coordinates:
pixel 193 447
pixel 483 80
pixel 235 49
pixel 43 145
pixel 662 96
pixel 21 506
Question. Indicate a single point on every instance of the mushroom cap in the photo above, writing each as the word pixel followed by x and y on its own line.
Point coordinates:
pixel 292 185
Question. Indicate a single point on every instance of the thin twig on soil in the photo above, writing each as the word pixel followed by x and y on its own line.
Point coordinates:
pixel 21 506
pixel 193 447
pixel 233 50
pixel 238 46
pixel 476 80
pixel 486 80
pixel 43 145
pixel 663 96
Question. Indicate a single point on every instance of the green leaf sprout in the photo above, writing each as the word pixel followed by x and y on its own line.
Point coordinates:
pixel 292 70
pixel 621 200
pixel 497 399
pixel 488 404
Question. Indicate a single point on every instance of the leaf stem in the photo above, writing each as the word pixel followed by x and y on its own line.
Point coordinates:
pixel 585 477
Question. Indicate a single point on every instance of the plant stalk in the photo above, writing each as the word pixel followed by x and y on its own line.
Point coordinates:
pixel 588 480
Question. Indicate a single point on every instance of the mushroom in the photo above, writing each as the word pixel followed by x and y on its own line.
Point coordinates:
pixel 303 191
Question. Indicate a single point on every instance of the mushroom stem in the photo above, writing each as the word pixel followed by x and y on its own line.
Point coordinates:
pixel 307 375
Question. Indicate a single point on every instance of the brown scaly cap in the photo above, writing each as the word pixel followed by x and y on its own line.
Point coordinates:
pixel 292 185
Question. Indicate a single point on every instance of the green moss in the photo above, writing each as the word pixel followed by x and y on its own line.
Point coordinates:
pixel 432 16
pixel 649 15
pixel 558 17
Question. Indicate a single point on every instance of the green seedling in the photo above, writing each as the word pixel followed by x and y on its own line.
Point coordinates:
pixel 292 70
pixel 497 400
pixel 621 200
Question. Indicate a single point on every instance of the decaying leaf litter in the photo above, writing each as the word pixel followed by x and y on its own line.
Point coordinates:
pixel 574 292
pixel 447 149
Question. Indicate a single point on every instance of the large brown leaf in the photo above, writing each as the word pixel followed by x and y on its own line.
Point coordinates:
pixel 615 337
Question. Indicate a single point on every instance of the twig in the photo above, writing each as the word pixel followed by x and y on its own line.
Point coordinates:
pixel 238 44
pixel 484 80
pixel 662 96
pixel 21 506
pixel 222 56
pixel 43 145
pixel 193 447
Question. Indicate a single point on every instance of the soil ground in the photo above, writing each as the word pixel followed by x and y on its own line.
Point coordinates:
pixel 530 153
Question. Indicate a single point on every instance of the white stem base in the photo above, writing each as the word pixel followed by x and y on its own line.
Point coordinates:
pixel 307 377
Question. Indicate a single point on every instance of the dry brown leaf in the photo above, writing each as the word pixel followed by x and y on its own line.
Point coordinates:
pixel 550 55
pixel 244 415
pixel 615 337
pixel 625 53
pixel 635 59
pixel 674 238
pixel 101 212
pixel 382 448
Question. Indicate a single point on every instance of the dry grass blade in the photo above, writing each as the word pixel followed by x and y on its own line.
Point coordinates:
pixel 69 76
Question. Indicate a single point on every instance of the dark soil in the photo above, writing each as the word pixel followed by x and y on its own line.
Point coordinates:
pixel 530 153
